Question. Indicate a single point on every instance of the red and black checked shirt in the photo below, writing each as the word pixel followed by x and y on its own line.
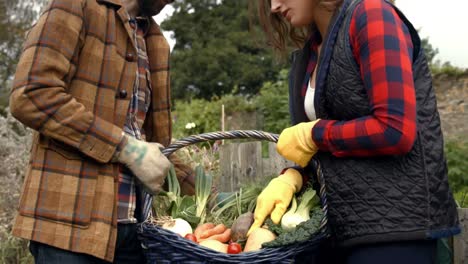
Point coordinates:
pixel 139 104
pixel 383 49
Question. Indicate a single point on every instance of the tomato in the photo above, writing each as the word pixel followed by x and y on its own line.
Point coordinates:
pixel 191 237
pixel 234 248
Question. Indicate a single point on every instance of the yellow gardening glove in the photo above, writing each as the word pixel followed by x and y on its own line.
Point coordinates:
pixel 295 143
pixel 276 197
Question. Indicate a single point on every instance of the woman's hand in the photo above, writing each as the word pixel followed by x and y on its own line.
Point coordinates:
pixel 295 143
pixel 276 197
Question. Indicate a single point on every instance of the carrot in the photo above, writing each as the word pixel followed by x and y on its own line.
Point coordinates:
pixel 219 229
pixel 223 237
pixel 201 228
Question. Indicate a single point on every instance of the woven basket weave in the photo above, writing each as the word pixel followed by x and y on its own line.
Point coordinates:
pixel 163 246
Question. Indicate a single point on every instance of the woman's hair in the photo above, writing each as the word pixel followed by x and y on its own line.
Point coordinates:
pixel 280 33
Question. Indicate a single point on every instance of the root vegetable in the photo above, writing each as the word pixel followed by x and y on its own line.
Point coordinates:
pixel 241 226
pixel 201 228
pixel 178 226
pixel 223 237
pixel 219 229
pixel 215 245
pixel 257 238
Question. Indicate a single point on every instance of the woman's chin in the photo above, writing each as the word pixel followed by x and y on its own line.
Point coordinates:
pixel 297 24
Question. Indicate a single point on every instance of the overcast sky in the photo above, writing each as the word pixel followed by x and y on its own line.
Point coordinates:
pixel 444 22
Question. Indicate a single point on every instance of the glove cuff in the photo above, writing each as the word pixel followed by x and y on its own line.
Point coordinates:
pixel 293 178
pixel 123 142
pixel 307 134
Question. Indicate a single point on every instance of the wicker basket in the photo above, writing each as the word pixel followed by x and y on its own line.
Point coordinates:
pixel 162 246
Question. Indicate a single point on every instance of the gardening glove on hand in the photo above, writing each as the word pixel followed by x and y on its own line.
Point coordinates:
pixel 276 197
pixel 146 162
pixel 295 143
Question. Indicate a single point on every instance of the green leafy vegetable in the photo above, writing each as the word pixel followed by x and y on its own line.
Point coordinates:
pixel 275 228
pixel 303 232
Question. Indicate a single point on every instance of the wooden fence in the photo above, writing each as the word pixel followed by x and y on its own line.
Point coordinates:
pixel 460 242
pixel 243 162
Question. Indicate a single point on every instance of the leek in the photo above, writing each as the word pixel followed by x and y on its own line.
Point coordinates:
pixel 180 206
pixel 203 184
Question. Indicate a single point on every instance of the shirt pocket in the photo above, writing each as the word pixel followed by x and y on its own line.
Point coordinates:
pixel 68 152
pixel 60 185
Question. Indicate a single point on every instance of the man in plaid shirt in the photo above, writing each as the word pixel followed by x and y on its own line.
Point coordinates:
pixel 93 83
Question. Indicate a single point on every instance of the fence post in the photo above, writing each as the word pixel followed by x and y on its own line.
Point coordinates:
pixel 240 163
pixel 460 242
pixel 275 163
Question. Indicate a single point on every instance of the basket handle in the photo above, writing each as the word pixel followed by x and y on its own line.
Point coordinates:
pixel 234 134
pixel 237 134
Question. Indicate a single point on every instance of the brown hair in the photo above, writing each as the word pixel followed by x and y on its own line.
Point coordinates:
pixel 280 33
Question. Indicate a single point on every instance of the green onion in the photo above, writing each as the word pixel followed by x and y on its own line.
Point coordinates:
pixel 180 207
pixel 172 182
pixel 235 204
pixel 203 184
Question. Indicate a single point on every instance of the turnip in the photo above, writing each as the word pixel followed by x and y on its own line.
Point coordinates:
pixel 178 226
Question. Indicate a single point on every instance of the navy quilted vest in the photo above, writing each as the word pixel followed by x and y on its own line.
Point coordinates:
pixel 384 198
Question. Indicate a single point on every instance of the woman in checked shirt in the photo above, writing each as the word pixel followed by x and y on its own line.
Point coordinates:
pixel 363 107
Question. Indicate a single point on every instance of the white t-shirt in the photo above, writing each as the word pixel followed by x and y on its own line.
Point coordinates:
pixel 309 98
pixel 310 94
pixel 309 103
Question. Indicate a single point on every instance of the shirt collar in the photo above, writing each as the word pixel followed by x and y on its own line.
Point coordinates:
pixel 113 2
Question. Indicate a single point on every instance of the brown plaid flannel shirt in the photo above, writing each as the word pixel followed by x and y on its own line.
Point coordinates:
pixel 73 85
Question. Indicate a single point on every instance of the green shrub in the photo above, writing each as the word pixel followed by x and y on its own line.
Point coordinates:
pixel 201 116
pixel 457 161
pixel 273 103
pixel 448 69
pixel 14 250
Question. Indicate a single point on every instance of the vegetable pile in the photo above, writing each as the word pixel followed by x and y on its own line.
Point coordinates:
pixel 220 221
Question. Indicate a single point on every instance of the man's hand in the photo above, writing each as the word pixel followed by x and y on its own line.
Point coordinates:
pixel 295 143
pixel 146 162
pixel 276 197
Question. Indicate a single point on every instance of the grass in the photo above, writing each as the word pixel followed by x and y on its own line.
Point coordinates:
pixel 14 250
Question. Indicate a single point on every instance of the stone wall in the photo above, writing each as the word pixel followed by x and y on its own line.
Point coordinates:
pixel 15 141
pixel 452 98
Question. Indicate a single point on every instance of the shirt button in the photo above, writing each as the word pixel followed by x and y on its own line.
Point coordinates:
pixel 122 94
pixel 129 56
